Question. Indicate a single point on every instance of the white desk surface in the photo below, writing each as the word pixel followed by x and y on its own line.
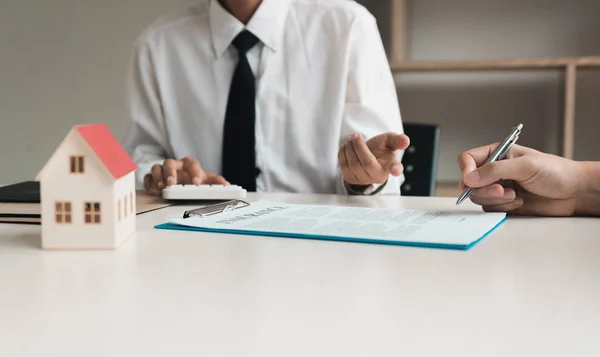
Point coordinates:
pixel 532 288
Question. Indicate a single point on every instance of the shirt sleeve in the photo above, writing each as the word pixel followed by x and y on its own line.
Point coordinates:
pixel 371 106
pixel 146 138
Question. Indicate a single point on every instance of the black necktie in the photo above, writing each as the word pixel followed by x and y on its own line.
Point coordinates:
pixel 239 162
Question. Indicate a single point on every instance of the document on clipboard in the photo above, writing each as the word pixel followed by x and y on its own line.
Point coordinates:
pixel 433 229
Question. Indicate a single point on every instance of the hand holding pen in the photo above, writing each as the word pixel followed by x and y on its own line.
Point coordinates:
pixel 527 182
pixel 498 154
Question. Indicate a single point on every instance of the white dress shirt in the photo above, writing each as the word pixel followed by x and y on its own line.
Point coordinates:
pixel 321 74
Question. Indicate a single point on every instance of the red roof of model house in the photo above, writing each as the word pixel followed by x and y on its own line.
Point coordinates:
pixel 107 148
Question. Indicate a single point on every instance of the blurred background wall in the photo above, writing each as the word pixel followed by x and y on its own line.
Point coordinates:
pixel 63 62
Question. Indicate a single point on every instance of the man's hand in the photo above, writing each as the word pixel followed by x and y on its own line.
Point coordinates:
pixel 185 171
pixel 527 182
pixel 371 162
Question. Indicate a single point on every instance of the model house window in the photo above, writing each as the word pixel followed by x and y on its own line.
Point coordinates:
pixel 131 202
pixel 63 212
pixel 77 166
pixel 92 212
pixel 119 209
pixel 125 206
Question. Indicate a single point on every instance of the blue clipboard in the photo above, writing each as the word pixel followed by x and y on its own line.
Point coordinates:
pixel 171 226
pixel 235 204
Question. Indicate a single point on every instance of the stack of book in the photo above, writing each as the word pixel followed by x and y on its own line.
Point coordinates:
pixel 20 203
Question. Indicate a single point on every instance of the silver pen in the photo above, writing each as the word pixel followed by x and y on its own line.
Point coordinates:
pixel 498 154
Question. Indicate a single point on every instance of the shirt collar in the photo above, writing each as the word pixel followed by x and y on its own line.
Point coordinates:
pixel 266 24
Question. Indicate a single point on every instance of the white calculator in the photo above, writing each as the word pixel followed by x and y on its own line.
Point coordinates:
pixel 203 192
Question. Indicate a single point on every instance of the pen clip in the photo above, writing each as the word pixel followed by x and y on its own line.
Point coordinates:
pixel 216 208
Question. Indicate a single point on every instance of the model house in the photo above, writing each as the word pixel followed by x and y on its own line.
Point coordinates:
pixel 87 192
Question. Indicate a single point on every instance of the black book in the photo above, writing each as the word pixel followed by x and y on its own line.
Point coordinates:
pixel 22 192
pixel 20 201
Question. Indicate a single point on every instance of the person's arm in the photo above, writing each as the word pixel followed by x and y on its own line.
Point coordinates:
pixel 588 197
pixel 146 139
pixel 371 106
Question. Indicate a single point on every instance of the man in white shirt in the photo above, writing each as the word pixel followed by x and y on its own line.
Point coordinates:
pixel 271 95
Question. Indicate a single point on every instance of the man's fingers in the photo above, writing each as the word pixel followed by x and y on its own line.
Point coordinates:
pixel 354 164
pixel 395 168
pixel 342 157
pixel 170 168
pixel 466 162
pixel 214 179
pixel 148 182
pixel 370 167
pixel 508 196
pixel 193 169
pixel 344 167
pixel 492 191
pixel 470 160
pixel 519 169
pixel 397 141
pixel 507 207
pixel 149 185
pixel 157 177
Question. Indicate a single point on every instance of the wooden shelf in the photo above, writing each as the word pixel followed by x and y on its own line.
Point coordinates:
pixel 503 64
pixel 588 62
pixel 400 62
pixel 566 64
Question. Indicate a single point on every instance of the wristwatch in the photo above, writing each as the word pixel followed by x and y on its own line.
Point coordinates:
pixel 364 190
